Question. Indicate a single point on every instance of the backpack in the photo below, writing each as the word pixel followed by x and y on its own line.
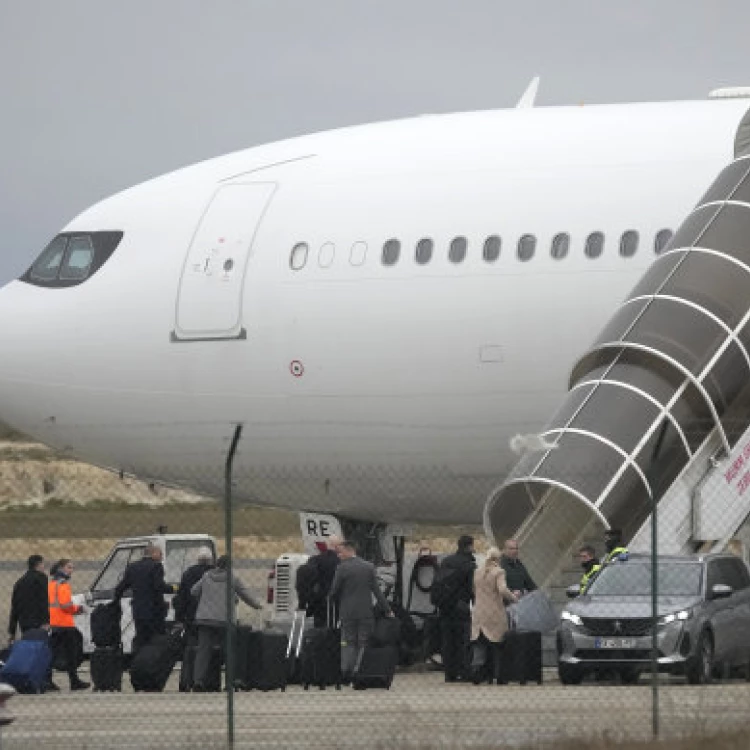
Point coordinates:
pixel 307 583
pixel 445 587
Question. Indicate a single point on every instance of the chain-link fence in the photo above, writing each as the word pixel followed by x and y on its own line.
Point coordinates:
pixel 622 644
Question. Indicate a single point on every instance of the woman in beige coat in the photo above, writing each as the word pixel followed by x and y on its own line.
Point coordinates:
pixel 489 621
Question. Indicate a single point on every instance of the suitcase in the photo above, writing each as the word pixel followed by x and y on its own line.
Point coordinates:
pixel 187 670
pixel 521 657
pixel 387 632
pixel 320 660
pixel 27 666
pixel 261 660
pixel 59 660
pixel 153 663
pixel 107 668
pixel 105 624
pixel 377 667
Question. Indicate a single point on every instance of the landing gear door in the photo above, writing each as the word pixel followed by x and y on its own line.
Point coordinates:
pixel 209 300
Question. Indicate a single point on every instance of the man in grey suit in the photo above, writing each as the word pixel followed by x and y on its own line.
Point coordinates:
pixel 353 587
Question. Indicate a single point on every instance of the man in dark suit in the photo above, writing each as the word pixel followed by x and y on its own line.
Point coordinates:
pixel 353 587
pixel 145 579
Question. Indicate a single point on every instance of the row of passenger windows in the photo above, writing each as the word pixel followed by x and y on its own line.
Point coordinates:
pixel 491 248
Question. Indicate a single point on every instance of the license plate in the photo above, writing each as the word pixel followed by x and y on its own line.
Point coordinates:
pixel 614 643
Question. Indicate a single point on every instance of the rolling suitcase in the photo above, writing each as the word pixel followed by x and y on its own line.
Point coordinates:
pixel 320 659
pixel 521 657
pixel 376 668
pixel 153 663
pixel 261 660
pixel 387 632
pixel 106 629
pixel 107 668
pixel 27 666
pixel 294 649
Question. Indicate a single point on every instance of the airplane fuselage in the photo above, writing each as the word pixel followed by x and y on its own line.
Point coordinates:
pixel 376 389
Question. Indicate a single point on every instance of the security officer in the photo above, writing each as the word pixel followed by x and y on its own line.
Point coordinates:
pixel 616 550
pixel 590 565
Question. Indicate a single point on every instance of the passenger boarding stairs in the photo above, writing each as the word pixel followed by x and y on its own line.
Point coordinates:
pixel 658 411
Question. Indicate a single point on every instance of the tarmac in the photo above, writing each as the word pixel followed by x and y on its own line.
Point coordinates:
pixel 420 711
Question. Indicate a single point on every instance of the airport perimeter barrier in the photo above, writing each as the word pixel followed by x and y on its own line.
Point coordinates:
pixel 610 668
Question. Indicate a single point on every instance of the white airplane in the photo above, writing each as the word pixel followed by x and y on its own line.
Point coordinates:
pixel 381 307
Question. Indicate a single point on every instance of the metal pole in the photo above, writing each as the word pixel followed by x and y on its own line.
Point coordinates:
pixel 228 534
pixel 655 588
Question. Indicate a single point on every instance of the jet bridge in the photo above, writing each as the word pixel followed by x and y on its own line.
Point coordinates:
pixel 658 410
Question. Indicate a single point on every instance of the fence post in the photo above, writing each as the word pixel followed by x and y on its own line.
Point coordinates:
pixel 228 534
pixel 655 584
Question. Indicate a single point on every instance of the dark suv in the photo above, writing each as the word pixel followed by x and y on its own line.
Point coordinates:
pixel 703 619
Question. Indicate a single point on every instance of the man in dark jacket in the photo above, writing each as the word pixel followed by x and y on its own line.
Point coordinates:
pixel 314 580
pixel 145 579
pixel 29 607
pixel 455 581
pixel 517 578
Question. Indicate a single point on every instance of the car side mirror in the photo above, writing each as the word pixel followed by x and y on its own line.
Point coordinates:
pixel 720 591
pixel 573 591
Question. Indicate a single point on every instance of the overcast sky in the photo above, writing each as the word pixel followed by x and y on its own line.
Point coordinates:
pixel 98 95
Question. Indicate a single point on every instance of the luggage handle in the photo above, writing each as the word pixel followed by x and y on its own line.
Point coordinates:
pixel 299 637
pixel 291 633
pixel 331 614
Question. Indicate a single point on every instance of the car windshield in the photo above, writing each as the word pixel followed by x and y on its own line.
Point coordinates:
pixel 634 579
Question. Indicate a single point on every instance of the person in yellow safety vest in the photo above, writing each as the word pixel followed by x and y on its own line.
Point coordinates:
pixel 616 550
pixel 65 637
pixel 590 565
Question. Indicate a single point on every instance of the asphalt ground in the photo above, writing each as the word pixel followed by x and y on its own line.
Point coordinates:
pixel 420 711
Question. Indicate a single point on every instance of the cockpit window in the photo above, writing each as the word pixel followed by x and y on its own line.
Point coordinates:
pixel 48 264
pixel 78 260
pixel 71 258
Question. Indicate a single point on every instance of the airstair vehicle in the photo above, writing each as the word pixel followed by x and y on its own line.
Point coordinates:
pixel 658 410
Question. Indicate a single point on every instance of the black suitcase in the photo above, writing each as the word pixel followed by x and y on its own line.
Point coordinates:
pixel 294 649
pixel 105 624
pixel 521 657
pixel 153 663
pixel 187 669
pixel 320 659
pixel 387 632
pixel 261 660
pixel 377 667
pixel 106 669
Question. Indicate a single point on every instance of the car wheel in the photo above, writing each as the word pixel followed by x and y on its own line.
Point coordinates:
pixel 570 674
pixel 630 676
pixel 700 667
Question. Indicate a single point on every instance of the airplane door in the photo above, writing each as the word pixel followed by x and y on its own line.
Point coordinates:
pixel 209 301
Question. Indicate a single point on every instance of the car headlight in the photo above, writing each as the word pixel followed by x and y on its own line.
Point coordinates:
pixel 570 617
pixel 683 614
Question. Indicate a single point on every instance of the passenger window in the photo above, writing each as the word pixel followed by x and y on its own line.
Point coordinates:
pixel 457 250
pixel 491 249
pixel 594 245
pixel 629 243
pixel 661 240
pixel 48 263
pixel 358 253
pixel 299 256
pixel 526 247
pixel 325 256
pixel 560 245
pixel 391 251
pixel 78 259
pixel 423 254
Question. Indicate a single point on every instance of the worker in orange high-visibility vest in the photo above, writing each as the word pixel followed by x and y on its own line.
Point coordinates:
pixel 65 637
